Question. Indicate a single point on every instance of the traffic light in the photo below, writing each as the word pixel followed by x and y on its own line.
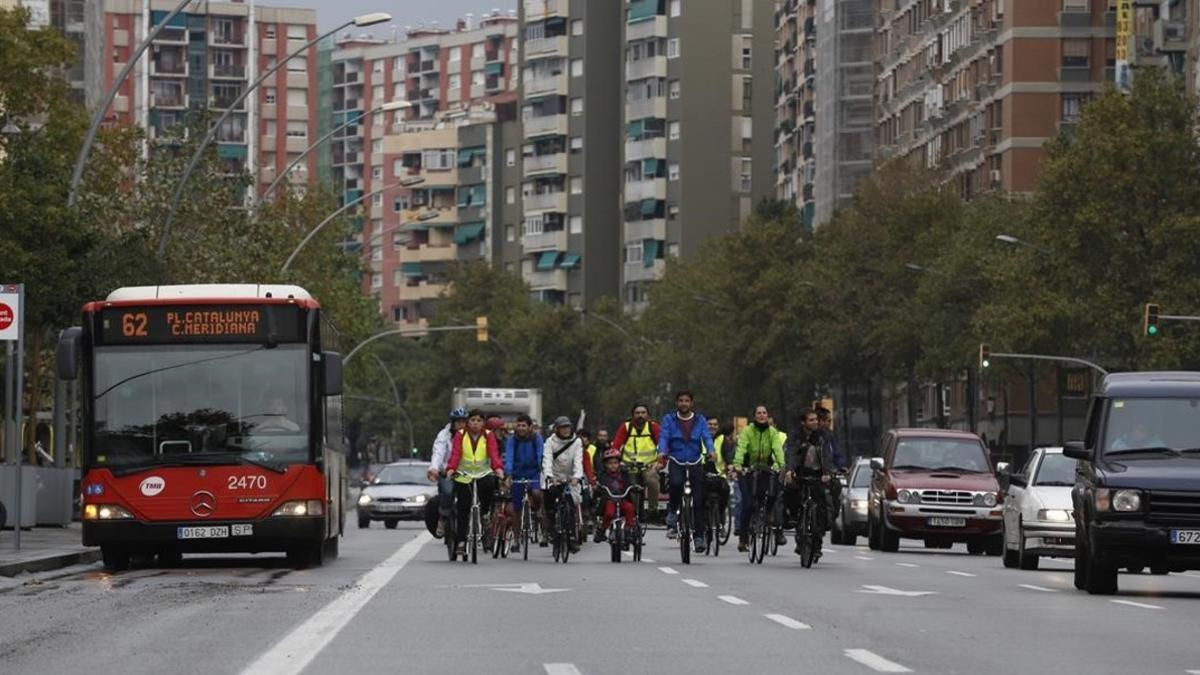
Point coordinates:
pixel 415 452
pixel 481 329
pixel 1150 320
pixel 985 355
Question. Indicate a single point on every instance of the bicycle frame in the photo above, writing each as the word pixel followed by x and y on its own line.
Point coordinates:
pixel 475 522
pixel 618 527
pixel 526 516
pixel 683 519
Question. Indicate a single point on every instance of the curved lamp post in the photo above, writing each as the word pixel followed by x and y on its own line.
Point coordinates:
pixel 330 217
pixel 364 20
pixel 98 116
pixel 386 107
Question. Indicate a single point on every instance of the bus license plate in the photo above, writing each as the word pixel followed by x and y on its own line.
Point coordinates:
pixel 1185 536
pixel 941 521
pixel 206 532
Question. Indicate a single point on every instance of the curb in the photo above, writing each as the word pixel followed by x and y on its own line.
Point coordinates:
pixel 50 562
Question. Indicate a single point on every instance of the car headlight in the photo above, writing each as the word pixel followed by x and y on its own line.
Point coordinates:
pixel 858 504
pixel 908 497
pixel 987 499
pixel 420 499
pixel 1054 515
pixel 301 507
pixel 1127 501
pixel 105 512
pixel 364 499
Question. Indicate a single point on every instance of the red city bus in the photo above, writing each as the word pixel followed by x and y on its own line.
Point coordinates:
pixel 211 423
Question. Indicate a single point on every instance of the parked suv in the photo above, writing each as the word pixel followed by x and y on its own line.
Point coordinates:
pixel 1137 492
pixel 938 486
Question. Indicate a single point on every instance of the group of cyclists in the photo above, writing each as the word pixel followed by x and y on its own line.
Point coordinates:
pixel 757 466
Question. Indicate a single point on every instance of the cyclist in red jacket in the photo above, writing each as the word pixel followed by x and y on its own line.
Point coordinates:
pixel 616 479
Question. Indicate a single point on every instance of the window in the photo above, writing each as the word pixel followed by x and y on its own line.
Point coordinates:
pixel 478 50
pixel 399 204
pixel 398 167
pixel 673 172
pixel 439 160
pixel 455 54
pixel 673 250
pixel 269 95
pixel 298 64
pixel 1072 107
pixel 673 48
pixel 478 78
pixel 297 98
pixel 747 174
pixel 377 66
pixel 376 280
pixel 377 200
pixel 377 145
pixel 299 32
pixel 576 143
pixel 510 157
pixel 673 89
pixel 297 129
pixel 269 130
pixel 576 224
pixel 269 33
pixel 577 27
pixel 510 233
pixel 377 93
pixel 747 52
pixel 747 128
pixel 576 185
pixel 676 7
pixel 376 174
pixel 271 62
pixel 1075 5
pixel 576 67
pixel 510 195
pixel 576 107
pixel 456 80
pixel 1076 52
pixel 673 131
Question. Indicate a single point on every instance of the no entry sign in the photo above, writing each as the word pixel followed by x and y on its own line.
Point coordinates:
pixel 10 328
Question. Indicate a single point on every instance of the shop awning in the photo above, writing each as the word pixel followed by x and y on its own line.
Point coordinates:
pixel 649 167
pixel 649 206
pixel 411 269
pixel 650 252
pixel 495 68
pixel 570 261
pixel 635 128
pixel 467 233
pixel 547 260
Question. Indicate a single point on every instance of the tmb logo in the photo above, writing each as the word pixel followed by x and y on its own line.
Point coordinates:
pixel 153 485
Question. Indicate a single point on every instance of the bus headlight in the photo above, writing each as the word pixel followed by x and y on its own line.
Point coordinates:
pixel 105 512
pixel 301 507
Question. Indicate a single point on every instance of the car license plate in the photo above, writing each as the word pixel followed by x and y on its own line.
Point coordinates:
pixel 388 507
pixel 242 530
pixel 205 532
pixel 941 521
pixel 1185 536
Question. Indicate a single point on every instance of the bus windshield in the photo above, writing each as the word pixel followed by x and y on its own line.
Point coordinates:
pixel 195 403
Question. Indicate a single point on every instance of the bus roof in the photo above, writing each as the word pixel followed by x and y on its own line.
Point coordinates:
pixel 207 292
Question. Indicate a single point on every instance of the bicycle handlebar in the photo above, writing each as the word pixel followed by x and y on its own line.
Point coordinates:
pixel 475 476
pixel 699 460
pixel 624 494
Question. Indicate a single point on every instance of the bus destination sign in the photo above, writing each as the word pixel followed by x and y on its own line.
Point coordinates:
pixel 160 324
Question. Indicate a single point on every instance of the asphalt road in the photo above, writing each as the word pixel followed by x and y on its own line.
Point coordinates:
pixel 393 604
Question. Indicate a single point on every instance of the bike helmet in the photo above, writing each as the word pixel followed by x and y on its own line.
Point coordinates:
pixel 495 424
pixel 459 413
pixel 612 453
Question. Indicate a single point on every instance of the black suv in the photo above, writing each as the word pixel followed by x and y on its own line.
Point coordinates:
pixel 1137 492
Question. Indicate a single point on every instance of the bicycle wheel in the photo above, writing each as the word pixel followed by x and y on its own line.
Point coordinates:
pixel 566 534
pixel 685 530
pixel 764 533
pixel 526 531
pixel 636 531
pixel 727 523
pixel 614 539
pixel 804 537
pixel 450 537
pixel 752 535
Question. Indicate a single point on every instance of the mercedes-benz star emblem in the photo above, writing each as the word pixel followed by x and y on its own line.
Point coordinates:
pixel 204 503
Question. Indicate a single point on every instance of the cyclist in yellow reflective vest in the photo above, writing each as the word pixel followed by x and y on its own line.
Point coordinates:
pixel 473 452
pixel 637 439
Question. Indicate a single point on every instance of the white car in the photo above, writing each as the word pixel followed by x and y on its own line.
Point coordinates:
pixel 398 492
pixel 1038 518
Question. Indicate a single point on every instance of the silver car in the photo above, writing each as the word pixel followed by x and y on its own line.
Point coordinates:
pixel 851 522
pixel 398 492
pixel 1038 518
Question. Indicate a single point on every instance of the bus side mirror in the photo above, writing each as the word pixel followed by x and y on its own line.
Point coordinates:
pixel 66 356
pixel 333 374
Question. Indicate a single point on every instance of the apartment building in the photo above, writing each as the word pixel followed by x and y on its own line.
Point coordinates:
pixel 570 160
pixel 795 105
pixel 205 58
pixel 977 87
pixel 699 105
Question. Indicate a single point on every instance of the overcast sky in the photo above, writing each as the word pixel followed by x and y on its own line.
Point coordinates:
pixel 404 12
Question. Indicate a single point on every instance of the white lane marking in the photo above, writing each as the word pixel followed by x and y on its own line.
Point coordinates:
pixel 694 583
pixel 647 560
pixel 875 662
pixel 907 565
pixel 732 599
pixel 884 590
pixel 788 621
pixel 1043 589
pixel 960 574
pixel 667 570
pixel 1196 575
pixel 1131 603
pixel 298 648
pixel 863 557
pixel 1192 672
pixel 830 549
pixel 561 669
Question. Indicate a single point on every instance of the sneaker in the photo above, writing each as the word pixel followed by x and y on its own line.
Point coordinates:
pixel 461 549
pixel 598 538
pixel 780 538
pixel 441 529
pixel 515 547
pixel 743 545
pixel 699 539
pixel 670 521
pixel 543 544
pixel 672 533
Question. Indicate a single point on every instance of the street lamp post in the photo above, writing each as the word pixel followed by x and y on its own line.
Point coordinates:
pixel 330 217
pixel 98 115
pixel 386 107
pixel 364 20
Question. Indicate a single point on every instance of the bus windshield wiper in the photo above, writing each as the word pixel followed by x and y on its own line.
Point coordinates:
pixel 1156 450
pixel 199 459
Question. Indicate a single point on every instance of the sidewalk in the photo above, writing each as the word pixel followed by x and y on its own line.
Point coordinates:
pixel 44 548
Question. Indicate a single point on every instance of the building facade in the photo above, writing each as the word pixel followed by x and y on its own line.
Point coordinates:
pixel 699 85
pixel 205 58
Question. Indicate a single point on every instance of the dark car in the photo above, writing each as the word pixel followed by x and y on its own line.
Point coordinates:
pixel 1137 492
pixel 938 486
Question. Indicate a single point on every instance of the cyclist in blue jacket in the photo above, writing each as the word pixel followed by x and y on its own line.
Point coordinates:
pixel 523 461
pixel 684 435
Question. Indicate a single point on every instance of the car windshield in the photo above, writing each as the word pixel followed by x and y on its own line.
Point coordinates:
pixel 195 403
pixel 862 477
pixel 1056 469
pixel 940 454
pixel 1159 425
pixel 401 475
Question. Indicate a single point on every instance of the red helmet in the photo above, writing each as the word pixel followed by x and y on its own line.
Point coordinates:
pixel 612 453
pixel 495 423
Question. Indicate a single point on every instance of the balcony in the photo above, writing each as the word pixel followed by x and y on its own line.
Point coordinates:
pixel 421 290
pixel 641 69
pixel 551 46
pixel 540 9
pixel 225 102
pixel 431 253
pixel 1074 74
pixel 544 86
pixel 646 29
pixel 548 125
pixel 171 35
pixel 546 241
pixel 640 230
pixel 227 39
pixel 637 271
pixel 296 143
pixel 226 71
pixel 549 280
pixel 651 107
pixel 169 101
pixel 549 201
pixel 650 148
pixel 346 78
pixel 556 163
pixel 654 188
pixel 159 68
pixel 1075 19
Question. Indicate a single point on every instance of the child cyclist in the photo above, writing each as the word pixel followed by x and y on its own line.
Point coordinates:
pixel 617 479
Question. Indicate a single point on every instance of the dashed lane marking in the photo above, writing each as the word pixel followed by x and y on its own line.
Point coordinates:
pixel 960 574
pixel 668 570
pixel 561 669
pixel 1131 603
pixel 875 662
pixel 788 622
pixel 694 583
pixel 907 565
pixel 732 599
pixel 1041 589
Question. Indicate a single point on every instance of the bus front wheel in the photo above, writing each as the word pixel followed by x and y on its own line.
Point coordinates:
pixel 307 555
pixel 116 558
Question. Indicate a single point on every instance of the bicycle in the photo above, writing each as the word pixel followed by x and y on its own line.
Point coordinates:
pixel 636 469
pixel 717 530
pixel 529 528
pixel 499 529
pixel 730 510
pixel 565 519
pixel 809 531
pixel 761 532
pixel 620 534
pixel 683 518
pixel 475 522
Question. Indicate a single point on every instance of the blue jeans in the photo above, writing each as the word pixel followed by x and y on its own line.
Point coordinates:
pixel 750 498
pixel 675 476
pixel 445 497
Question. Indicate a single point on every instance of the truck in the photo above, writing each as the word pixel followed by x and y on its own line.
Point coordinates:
pixel 508 403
